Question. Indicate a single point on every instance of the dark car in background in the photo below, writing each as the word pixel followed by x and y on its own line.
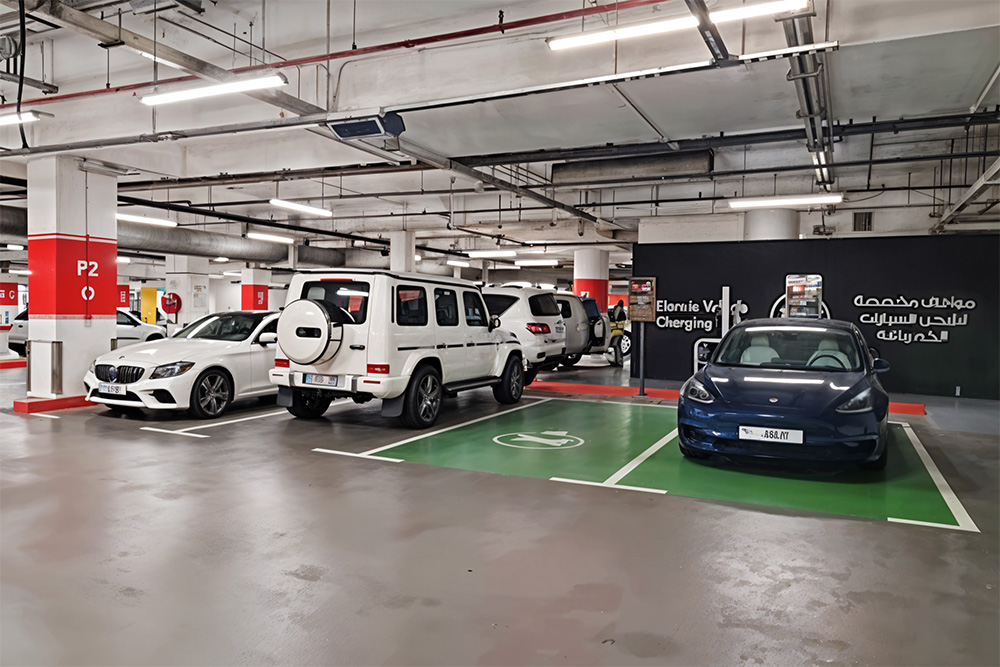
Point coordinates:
pixel 788 389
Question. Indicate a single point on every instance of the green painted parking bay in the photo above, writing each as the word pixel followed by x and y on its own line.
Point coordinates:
pixel 628 446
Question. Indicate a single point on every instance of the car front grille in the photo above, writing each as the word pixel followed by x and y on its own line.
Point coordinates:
pixel 123 374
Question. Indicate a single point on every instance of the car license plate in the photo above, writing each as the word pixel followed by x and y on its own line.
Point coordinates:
pixel 323 380
pixel 770 434
pixel 117 389
pixel 560 329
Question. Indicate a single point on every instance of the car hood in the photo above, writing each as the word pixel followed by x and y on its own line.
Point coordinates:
pixel 810 391
pixel 167 351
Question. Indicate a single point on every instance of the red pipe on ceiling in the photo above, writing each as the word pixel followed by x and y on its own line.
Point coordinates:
pixel 378 48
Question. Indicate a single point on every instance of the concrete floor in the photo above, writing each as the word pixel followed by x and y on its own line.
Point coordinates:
pixel 124 546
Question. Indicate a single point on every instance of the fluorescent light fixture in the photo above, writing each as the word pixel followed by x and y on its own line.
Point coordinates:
pixel 221 259
pixel 672 25
pixel 241 86
pixel 417 258
pixel 158 59
pixel 235 274
pixel 458 263
pixel 21 272
pixel 487 254
pixel 12 246
pixel 302 208
pixel 214 276
pixel 546 286
pixel 537 262
pixel 786 201
pixel 502 267
pixel 270 237
pixel 123 260
pixel 128 217
pixel 21 118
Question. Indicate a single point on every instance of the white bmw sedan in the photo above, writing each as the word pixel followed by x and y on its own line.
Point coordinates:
pixel 203 368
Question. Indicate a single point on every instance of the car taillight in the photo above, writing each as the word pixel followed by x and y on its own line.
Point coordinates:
pixel 378 369
pixel 536 328
pixel 281 363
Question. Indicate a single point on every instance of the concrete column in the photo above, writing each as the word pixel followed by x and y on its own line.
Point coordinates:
pixel 8 311
pixel 402 248
pixel 187 277
pixel 590 275
pixel 456 271
pixel 72 248
pixel 486 272
pixel 254 289
pixel 761 224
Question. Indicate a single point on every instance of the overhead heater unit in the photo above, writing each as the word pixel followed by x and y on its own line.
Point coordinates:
pixel 150 6
pixel 369 127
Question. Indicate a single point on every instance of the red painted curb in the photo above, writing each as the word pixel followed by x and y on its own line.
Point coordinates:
pixel 670 394
pixel 30 405
pixel 14 363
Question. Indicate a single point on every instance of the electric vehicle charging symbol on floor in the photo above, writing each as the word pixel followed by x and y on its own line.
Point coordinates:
pixel 539 440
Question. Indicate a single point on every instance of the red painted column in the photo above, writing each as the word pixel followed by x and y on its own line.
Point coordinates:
pixel 590 274
pixel 8 311
pixel 254 289
pixel 124 300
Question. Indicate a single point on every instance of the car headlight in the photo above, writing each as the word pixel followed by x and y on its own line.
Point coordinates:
pixel 860 403
pixel 696 391
pixel 171 370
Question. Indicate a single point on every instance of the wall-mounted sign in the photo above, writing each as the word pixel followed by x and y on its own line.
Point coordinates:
pixel 803 295
pixel 642 299
pixel 171 304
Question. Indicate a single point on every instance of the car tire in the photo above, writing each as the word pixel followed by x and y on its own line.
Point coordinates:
pixel 879 463
pixel 308 405
pixel 625 344
pixel 571 360
pixel 530 375
pixel 211 394
pixel 691 453
pixel 20 350
pixel 511 385
pixel 422 401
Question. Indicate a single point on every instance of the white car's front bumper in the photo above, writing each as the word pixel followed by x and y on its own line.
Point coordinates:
pixel 163 394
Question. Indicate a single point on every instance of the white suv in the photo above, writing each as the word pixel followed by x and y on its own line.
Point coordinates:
pixel 407 339
pixel 535 318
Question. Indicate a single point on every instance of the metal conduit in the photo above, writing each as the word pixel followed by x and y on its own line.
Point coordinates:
pixel 185 241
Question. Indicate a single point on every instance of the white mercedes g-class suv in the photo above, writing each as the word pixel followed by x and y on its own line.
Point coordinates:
pixel 408 339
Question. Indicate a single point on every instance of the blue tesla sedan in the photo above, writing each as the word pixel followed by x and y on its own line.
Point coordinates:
pixel 788 389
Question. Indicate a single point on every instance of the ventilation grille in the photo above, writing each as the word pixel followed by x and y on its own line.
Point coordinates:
pixel 863 221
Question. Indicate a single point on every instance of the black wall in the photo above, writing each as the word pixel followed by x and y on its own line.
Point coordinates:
pixel 919 275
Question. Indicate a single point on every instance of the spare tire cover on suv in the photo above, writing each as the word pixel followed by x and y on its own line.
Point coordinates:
pixel 311 331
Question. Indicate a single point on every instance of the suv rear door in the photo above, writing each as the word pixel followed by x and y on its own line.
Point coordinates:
pixel 480 345
pixel 351 295
pixel 450 334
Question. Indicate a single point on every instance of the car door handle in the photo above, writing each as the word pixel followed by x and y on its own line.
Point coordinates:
pixel 441 346
pixel 357 347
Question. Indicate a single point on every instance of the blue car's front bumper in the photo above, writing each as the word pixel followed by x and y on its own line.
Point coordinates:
pixel 836 438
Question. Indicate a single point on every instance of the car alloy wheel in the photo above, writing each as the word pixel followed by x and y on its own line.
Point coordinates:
pixel 626 344
pixel 429 397
pixel 213 394
pixel 516 381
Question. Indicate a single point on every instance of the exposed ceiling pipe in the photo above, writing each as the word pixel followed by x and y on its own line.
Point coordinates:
pixel 612 7
pixel 186 241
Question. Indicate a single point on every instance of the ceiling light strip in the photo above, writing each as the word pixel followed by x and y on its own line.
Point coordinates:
pixel 786 201
pixel 159 222
pixel 240 86
pixel 301 208
pixel 274 238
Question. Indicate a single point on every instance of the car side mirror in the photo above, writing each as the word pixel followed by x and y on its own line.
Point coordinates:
pixel 494 323
pixel 880 366
pixel 267 338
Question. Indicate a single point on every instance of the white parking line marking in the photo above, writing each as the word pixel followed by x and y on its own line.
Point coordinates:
pixel 965 521
pixel 359 456
pixel 450 428
pixel 634 463
pixel 163 430
pixel 929 524
pixel 606 485
pixel 232 421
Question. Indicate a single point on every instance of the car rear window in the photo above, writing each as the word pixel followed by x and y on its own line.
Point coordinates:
pixel 498 304
pixel 543 305
pixel 351 296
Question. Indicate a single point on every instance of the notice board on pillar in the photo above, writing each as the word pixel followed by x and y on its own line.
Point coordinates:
pixel 927 303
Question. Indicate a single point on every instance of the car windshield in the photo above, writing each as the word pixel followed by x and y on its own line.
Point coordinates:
pixel 787 346
pixel 223 326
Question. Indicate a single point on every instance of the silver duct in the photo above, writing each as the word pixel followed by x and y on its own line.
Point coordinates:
pixel 183 241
